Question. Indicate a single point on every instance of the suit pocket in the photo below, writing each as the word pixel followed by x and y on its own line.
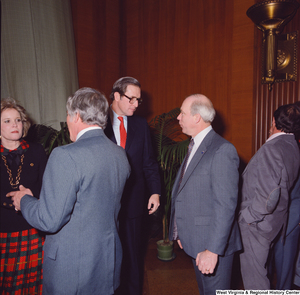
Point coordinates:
pixel 202 220
pixel 50 250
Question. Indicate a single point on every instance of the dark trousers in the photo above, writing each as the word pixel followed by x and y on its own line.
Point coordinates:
pixel 219 280
pixel 285 256
pixel 132 264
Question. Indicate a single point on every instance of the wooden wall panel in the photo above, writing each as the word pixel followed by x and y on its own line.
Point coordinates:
pixel 184 47
pixel 266 102
pixel 97 40
pixel 174 48
pixel 241 91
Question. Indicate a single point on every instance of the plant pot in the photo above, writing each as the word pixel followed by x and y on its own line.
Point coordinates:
pixel 165 250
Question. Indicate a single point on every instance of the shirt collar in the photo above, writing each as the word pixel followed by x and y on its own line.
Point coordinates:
pixel 201 135
pixel 277 134
pixel 85 130
pixel 114 116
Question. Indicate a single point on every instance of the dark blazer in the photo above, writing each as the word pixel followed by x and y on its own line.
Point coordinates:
pixel 294 209
pixel 267 181
pixel 144 166
pixel 296 191
pixel 33 167
pixel 78 209
pixel 204 206
pixel 287 249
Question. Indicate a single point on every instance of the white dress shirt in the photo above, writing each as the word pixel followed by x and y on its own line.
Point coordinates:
pixel 115 122
pixel 197 141
pixel 277 134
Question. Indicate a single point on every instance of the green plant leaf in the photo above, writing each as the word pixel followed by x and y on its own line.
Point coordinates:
pixel 171 146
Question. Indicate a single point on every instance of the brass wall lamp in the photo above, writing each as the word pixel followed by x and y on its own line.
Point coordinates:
pixel 279 62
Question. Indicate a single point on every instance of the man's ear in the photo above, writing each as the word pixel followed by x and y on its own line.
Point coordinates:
pixel 77 117
pixel 197 118
pixel 117 96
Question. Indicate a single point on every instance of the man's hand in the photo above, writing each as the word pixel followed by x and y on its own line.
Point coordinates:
pixel 153 203
pixel 206 261
pixel 16 196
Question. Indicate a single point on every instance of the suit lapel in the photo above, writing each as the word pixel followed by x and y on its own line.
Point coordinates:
pixel 196 158
pixel 175 185
pixel 130 132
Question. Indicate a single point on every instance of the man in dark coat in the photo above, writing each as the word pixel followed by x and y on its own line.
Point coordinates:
pixel 133 134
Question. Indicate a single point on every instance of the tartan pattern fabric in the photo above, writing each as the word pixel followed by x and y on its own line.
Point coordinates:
pixel 21 262
pixel 23 146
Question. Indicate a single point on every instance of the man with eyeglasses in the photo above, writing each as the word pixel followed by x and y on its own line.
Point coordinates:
pixel 133 134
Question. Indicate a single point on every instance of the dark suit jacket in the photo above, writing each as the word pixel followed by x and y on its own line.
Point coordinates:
pixel 205 204
pixel 294 208
pixel 78 208
pixel 35 160
pixel 286 250
pixel 144 166
pixel 296 191
pixel 267 181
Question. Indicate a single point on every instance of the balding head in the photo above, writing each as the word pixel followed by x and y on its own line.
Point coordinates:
pixel 203 106
pixel 197 113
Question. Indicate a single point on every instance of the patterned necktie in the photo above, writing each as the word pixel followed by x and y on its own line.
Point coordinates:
pixel 190 147
pixel 123 134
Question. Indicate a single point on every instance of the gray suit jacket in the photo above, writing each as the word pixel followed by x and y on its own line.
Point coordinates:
pixel 267 180
pixel 204 205
pixel 78 209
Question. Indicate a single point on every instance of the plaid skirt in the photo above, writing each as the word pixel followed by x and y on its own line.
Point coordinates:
pixel 21 262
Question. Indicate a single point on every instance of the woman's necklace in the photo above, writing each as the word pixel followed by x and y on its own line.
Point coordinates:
pixel 16 184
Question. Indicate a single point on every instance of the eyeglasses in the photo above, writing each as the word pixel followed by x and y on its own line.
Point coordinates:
pixel 132 100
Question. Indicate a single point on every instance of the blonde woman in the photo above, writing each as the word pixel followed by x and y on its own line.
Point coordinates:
pixel 22 163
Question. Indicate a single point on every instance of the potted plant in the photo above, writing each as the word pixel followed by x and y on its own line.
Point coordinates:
pixel 48 136
pixel 171 147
